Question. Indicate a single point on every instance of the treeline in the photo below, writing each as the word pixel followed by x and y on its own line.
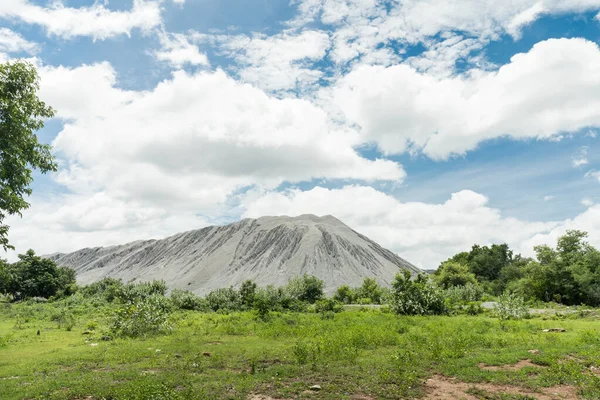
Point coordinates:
pixel 568 274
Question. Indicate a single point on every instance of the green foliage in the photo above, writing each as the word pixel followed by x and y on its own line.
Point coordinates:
pixel 344 294
pixel 64 319
pixel 452 274
pixel 464 294
pixel 371 290
pixel 226 299
pixel 107 288
pixel 416 297
pixel 135 291
pixel 144 316
pixel 186 300
pixel 368 293
pixel 568 274
pixel 307 289
pixel 511 306
pixel 247 292
pixel 33 276
pixel 328 305
pixel 21 114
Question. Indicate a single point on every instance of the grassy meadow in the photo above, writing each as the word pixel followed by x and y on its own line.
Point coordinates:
pixel 363 353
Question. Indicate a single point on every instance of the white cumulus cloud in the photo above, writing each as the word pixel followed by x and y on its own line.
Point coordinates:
pixel 96 21
pixel 178 51
pixel 552 89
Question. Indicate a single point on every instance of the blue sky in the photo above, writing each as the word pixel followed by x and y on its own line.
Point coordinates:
pixel 424 125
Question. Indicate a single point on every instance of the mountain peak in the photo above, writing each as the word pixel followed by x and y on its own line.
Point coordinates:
pixel 268 250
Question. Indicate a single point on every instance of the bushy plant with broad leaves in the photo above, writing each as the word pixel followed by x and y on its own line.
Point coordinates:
pixel 511 306
pixel 226 299
pixel 328 305
pixel 306 288
pixel 417 297
pixel 464 294
pixel 136 291
pixel 186 300
pixel 107 288
pixel 143 317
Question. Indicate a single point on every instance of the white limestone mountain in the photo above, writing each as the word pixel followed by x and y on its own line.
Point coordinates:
pixel 268 250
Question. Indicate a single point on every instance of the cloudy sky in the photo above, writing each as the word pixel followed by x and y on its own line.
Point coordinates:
pixel 428 125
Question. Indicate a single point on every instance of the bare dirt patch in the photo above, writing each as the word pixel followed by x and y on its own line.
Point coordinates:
pixel 509 367
pixel 263 397
pixel 443 388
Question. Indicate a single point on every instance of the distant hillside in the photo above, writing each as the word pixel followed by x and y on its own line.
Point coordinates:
pixel 268 250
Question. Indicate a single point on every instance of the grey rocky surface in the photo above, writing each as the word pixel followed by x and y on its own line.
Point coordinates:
pixel 268 250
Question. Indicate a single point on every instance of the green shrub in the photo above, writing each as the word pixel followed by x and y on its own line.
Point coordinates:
pixel 186 300
pixel 464 294
pixel 64 319
pixel 474 308
pixel 328 305
pixel 344 294
pixel 143 317
pixel 307 289
pixel 135 291
pixel 511 306
pixel 107 288
pixel 227 299
pixel 417 297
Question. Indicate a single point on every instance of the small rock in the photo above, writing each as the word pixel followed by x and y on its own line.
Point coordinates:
pixel 315 388
pixel 177 355
pixel 533 351
pixel 555 330
pixel 157 350
pixel 206 354
pixel 93 344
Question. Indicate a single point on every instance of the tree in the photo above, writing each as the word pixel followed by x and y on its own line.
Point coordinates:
pixel 344 294
pixel 247 293
pixel 21 114
pixel 5 277
pixel 370 291
pixel 34 276
pixel 451 274
pixel 307 288
pixel 487 262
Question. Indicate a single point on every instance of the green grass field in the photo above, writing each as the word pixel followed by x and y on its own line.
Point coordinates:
pixel 356 355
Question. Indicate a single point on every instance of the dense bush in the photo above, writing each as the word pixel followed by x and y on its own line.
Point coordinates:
pixel 452 274
pixel 368 293
pixel 226 299
pixel 186 300
pixel 416 297
pixel 136 291
pixel 247 293
pixel 306 288
pixel 144 316
pixel 511 306
pixel 464 294
pixel 107 288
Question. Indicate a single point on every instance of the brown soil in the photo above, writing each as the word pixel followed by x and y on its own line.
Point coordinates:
pixel 510 367
pixel 443 388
